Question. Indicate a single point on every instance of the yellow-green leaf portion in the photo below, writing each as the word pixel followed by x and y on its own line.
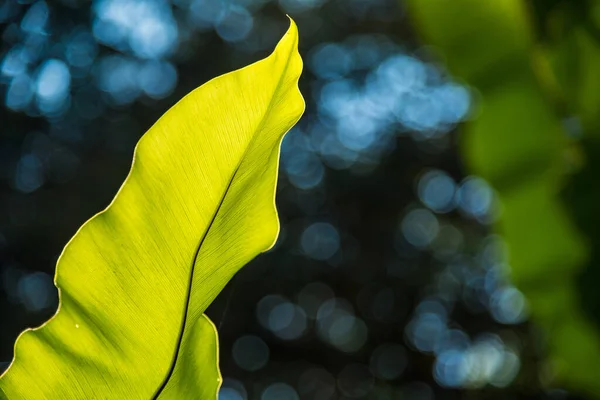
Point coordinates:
pixel 135 280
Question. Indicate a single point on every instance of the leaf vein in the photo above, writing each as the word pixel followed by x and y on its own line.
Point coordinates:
pixel 206 232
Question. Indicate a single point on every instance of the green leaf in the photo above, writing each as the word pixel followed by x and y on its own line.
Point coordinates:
pixel 571 47
pixel 135 280
pixel 517 142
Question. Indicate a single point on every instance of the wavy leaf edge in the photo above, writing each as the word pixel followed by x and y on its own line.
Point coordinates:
pixel 291 30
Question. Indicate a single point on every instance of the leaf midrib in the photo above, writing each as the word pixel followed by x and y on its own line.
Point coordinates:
pixel 206 232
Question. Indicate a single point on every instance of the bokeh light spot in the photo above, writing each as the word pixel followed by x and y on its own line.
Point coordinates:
pixel 250 353
pixel 330 60
pixel 420 227
pixel 436 190
pixel 388 361
pixel 508 305
pixel 475 197
pixel 234 24
pixel 29 175
pixel 279 391
pixel 157 79
pixel 232 389
pixel 320 241
pixel 36 291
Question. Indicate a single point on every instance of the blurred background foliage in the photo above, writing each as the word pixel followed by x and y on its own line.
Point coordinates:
pixel 438 239
pixel 532 64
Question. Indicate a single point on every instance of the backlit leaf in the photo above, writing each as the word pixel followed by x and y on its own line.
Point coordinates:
pixel 135 280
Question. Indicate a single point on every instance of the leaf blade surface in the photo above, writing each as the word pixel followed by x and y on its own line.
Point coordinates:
pixel 135 280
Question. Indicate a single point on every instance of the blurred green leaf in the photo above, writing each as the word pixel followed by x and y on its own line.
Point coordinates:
pixel 135 280
pixel 516 140
pixel 571 43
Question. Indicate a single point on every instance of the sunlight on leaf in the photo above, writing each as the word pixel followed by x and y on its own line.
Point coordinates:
pixel 135 280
